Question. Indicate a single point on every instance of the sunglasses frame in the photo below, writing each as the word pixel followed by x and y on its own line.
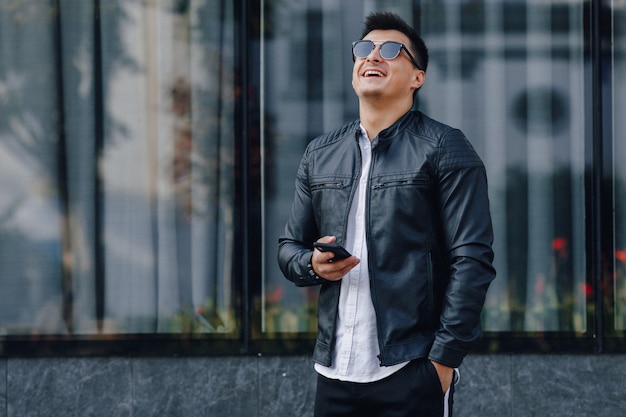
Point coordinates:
pixel 380 46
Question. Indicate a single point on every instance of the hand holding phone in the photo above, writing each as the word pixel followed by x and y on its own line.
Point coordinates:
pixel 339 251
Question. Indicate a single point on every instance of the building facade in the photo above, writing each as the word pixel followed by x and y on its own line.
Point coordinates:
pixel 148 152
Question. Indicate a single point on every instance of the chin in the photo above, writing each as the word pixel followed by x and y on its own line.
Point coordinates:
pixel 371 93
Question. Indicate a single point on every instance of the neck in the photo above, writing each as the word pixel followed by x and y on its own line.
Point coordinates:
pixel 376 116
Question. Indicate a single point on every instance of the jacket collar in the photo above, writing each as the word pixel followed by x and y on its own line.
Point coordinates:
pixel 398 126
pixel 388 134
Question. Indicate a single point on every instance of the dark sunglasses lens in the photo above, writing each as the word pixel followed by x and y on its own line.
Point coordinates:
pixel 362 49
pixel 390 50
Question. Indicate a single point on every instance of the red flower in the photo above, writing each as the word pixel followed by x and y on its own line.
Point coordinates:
pixel 276 295
pixel 585 288
pixel 559 243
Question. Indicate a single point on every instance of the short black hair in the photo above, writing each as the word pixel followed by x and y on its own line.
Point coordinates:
pixel 391 21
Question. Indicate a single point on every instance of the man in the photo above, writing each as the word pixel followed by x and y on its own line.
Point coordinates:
pixel 407 196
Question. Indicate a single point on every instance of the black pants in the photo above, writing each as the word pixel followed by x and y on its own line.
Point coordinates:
pixel 413 391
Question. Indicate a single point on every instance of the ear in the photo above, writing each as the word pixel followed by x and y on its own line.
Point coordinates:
pixel 419 79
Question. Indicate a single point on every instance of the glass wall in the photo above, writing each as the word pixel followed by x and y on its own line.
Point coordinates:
pixel 148 152
pixel 117 170
pixel 510 74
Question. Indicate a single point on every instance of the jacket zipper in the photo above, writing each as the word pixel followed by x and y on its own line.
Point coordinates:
pixel 336 185
pixel 418 181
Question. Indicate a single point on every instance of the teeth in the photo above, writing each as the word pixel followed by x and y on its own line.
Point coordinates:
pixel 372 73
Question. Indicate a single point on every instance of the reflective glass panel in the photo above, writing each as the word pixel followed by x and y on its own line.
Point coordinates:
pixel 510 74
pixel 117 167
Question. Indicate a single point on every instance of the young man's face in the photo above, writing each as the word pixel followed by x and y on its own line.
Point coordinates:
pixel 378 78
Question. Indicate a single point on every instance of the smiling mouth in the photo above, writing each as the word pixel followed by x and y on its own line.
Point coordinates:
pixel 373 73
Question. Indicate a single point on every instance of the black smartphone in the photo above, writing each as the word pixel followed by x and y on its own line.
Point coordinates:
pixel 339 251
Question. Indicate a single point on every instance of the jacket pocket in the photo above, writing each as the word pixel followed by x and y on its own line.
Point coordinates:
pixel 328 185
pixel 401 182
pixel 431 285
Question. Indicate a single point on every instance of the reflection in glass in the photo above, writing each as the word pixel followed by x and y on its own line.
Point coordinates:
pixel 514 84
pixel 306 91
pixel 31 207
pixel 510 75
pixel 117 158
pixel 168 170
pixel 619 144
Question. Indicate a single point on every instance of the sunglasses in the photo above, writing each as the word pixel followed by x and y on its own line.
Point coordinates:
pixel 388 50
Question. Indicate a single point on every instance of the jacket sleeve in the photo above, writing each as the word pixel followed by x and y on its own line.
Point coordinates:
pixel 295 245
pixel 468 239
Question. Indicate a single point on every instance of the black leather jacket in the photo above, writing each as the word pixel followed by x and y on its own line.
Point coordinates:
pixel 428 230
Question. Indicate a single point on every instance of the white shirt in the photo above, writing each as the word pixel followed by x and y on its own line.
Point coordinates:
pixel 355 356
